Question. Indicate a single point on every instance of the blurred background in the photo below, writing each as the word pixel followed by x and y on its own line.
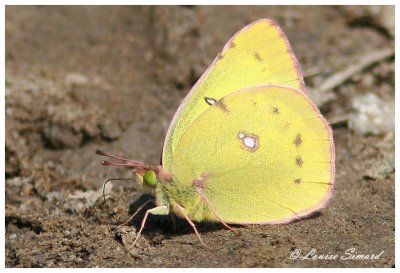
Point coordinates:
pixel 80 78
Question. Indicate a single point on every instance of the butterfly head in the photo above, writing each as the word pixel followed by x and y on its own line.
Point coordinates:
pixel 147 175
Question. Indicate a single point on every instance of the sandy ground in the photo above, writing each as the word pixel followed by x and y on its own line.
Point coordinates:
pixel 81 78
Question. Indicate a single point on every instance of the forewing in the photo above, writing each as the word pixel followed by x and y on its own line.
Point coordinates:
pixel 259 54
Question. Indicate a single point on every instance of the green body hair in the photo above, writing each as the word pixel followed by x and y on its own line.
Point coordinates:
pixel 171 194
pixel 187 197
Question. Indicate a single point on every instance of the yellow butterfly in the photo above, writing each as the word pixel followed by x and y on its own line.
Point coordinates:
pixel 246 146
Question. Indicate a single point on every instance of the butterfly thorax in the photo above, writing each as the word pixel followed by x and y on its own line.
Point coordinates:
pixel 173 193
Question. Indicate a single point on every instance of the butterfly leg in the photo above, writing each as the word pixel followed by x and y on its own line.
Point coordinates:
pixel 205 199
pixel 183 213
pixel 136 212
pixel 161 210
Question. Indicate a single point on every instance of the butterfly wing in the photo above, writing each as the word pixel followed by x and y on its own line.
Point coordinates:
pixel 264 155
pixel 259 54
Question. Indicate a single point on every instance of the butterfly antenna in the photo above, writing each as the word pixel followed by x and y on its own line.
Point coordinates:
pixel 104 192
pixel 131 163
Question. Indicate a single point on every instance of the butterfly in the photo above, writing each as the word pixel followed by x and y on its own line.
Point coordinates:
pixel 246 145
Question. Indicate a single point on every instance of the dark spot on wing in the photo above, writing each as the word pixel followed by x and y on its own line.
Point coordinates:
pixel 210 101
pixel 275 110
pixel 257 57
pixel 232 45
pixel 220 104
pixel 298 140
pixel 299 161
pixel 297 181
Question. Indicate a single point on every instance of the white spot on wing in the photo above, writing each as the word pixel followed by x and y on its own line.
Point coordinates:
pixel 249 141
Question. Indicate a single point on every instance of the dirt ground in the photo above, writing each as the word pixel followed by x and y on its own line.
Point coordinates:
pixel 81 78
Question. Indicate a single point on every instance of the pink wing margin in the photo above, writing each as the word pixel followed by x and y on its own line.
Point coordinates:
pixel 226 47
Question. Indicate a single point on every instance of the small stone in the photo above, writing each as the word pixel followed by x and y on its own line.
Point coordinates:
pixel 380 169
pixel 75 79
pixel 61 136
pixel 371 115
pixel 110 129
